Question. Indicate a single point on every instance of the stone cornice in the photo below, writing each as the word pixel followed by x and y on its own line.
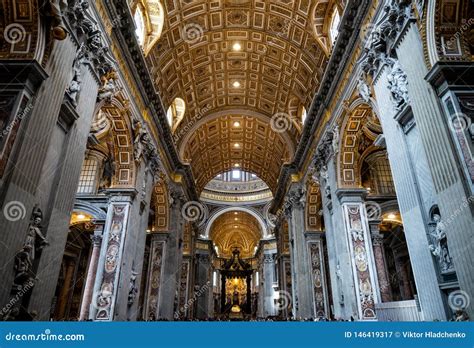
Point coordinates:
pixel 133 55
pixel 343 48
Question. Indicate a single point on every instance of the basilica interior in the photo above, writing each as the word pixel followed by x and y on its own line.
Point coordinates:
pixel 284 160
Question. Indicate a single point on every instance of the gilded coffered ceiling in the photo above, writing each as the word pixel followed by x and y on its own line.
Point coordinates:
pixel 236 142
pixel 279 58
pixel 261 56
pixel 235 229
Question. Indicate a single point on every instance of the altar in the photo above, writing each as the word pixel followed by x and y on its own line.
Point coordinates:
pixel 236 277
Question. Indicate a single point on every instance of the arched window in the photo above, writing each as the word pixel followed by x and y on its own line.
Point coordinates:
pixel 140 27
pixel 175 113
pixel 376 174
pixel 149 17
pixel 88 180
pixel 334 26
pixel 303 115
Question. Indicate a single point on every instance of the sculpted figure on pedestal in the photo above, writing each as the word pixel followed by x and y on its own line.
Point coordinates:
pixel 439 247
pixel 398 85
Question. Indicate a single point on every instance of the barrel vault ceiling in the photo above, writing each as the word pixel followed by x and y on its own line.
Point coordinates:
pixel 235 229
pixel 280 65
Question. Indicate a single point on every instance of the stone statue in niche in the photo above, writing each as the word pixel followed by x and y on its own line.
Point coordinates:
pixel 108 173
pixel 133 288
pixel 398 85
pixel 74 87
pixel 35 241
pixel 57 10
pixel 439 246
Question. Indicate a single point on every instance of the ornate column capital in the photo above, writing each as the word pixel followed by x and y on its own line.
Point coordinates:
pixel 96 240
pixel 324 151
pixel 268 258
pixel 295 198
pixel 382 38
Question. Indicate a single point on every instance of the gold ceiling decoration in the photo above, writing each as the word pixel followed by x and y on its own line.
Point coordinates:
pixel 236 229
pixel 260 56
pixel 211 149
pixel 195 58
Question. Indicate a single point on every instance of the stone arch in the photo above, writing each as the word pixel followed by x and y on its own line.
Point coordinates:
pixel 358 132
pixel 153 15
pixel 321 17
pixel 114 136
pixel 250 211
pixel 90 209
pixel 448 29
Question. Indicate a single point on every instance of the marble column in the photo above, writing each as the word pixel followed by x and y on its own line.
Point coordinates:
pixel 202 286
pixel 183 290
pixel 454 199
pixel 172 257
pixel 91 273
pixel 360 248
pixel 134 247
pixel 64 295
pixel 286 287
pixel 267 289
pixel 295 213
pixel 414 188
pixel 110 261
pixel 44 167
pixel 384 288
pixel 154 276
pixel 402 271
pixel 318 277
pixel 345 303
